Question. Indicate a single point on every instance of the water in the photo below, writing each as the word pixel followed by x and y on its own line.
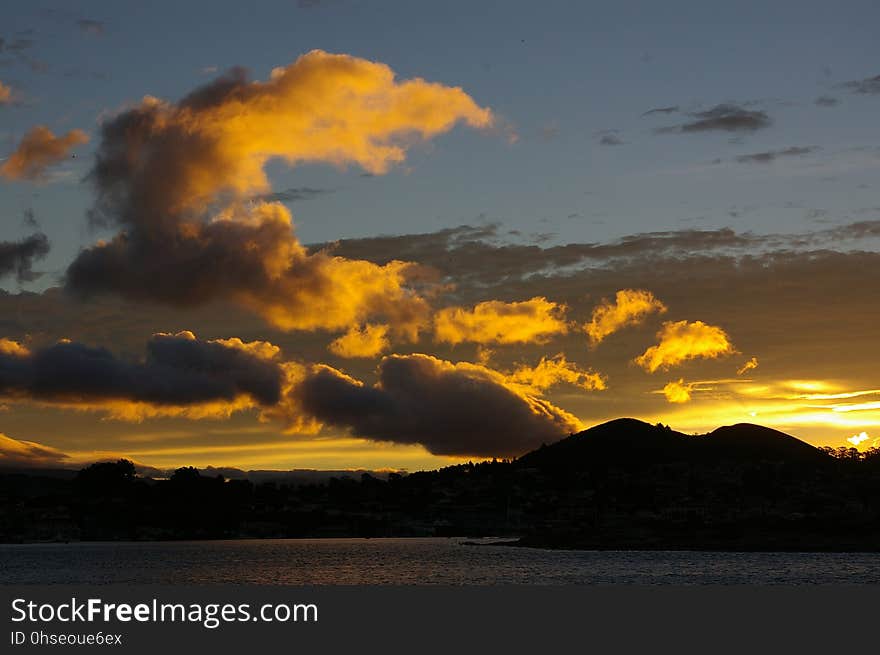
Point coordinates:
pixel 412 562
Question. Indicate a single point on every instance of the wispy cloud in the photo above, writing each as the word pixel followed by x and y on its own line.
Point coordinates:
pixel 866 86
pixel 294 194
pixel 722 118
pixel 661 110
pixel 769 156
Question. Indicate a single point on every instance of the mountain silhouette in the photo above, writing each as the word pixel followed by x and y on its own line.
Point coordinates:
pixel 630 442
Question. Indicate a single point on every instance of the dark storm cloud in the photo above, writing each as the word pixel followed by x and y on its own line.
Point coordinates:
pixel 17 257
pixel 722 118
pixel 198 267
pixel 611 139
pixel 178 370
pixel 451 409
pixel 867 86
pixel 769 156
pixel 661 110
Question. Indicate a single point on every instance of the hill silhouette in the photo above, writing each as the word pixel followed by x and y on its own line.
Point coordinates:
pixel 630 441
pixel 624 484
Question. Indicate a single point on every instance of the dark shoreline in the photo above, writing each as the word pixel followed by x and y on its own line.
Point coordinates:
pixel 621 485
pixel 520 542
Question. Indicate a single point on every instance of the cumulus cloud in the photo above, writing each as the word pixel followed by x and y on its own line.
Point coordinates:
pixel 769 156
pixel 858 439
pixel 683 340
pixel 451 409
pixel 629 307
pixel 179 376
pixel 366 341
pixel 17 453
pixel 337 109
pixel 722 118
pixel 39 149
pixel 677 391
pixel 17 257
pixel 497 322
pixel 256 261
pixel 180 179
pixel 748 366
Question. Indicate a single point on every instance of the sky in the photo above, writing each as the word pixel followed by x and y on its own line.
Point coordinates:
pixel 397 235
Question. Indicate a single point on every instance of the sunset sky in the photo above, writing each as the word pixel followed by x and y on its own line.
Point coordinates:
pixel 346 234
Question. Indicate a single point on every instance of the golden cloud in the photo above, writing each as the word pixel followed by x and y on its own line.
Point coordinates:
pixel 14 452
pixel 328 108
pixel 677 392
pixel 629 307
pixel 551 371
pixel 38 150
pixel 180 180
pixel 258 262
pixel 134 411
pixel 781 404
pixel 748 366
pixel 260 349
pixel 10 347
pixel 5 94
pixel 682 340
pixel 497 322
pixel 366 341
